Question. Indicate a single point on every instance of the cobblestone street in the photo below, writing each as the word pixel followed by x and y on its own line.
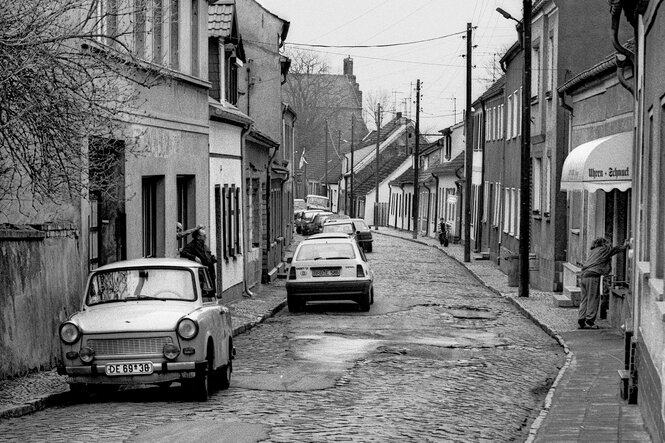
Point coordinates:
pixel 439 357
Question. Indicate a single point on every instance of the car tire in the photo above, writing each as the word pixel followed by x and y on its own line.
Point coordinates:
pixel 371 301
pixel 80 391
pixel 294 304
pixel 365 301
pixel 200 387
pixel 368 247
pixel 224 373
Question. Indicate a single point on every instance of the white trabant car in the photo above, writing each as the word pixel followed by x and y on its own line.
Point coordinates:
pixel 149 321
pixel 329 266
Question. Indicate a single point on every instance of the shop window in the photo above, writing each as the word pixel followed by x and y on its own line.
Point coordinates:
pixel 576 210
pixel 185 198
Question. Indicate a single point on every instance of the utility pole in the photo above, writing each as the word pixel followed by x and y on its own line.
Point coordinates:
pixel 325 164
pixel 416 164
pixel 378 141
pixel 353 203
pixel 469 149
pixel 525 157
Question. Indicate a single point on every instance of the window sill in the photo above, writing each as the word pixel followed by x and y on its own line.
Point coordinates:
pixel 534 100
pixel 537 217
pixel 575 231
pixel 548 95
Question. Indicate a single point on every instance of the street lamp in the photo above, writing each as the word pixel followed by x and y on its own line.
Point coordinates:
pixel 524 28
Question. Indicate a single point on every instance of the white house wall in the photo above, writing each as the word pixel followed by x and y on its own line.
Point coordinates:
pixel 226 169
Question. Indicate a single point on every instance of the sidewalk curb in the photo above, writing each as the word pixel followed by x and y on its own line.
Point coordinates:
pixel 538 421
pixel 60 398
pixel 249 325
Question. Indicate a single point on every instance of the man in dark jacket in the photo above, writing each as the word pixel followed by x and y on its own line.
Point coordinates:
pixel 598 263
pixel 197 251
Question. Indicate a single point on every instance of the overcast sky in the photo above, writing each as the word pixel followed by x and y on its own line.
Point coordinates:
pixel 438 63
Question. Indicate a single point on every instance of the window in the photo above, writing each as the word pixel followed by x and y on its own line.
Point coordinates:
pixel 94 232
pixel 157 31
pixel 576 209
pixel 488 118
pixel 195 38
pixel 497 204
pixel 547 185
pixel 537 184
pixel 509 118
pixel 518 112
pixel 550 61
pixel 153 216
pixel 185 198
pixel 106 25
pixel 502 119
pixel 535 70
pixel 174 49
pixel 253 191
pixel 506 210
pixel 139 29
pixel 518 209
pixel 486 200
pixel 231 76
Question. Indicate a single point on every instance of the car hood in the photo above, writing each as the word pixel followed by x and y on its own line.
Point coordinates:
pixel 131 317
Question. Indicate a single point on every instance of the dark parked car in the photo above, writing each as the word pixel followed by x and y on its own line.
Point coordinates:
pixel 363 234
pixel 314 226
pixel 305 217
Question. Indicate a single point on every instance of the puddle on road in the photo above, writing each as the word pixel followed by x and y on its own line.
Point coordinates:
pixel 321 360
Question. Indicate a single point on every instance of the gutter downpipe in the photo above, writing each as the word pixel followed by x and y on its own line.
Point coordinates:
pixel 243 144
pixel 625 56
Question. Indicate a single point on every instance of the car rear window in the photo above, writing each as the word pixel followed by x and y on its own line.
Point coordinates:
pixel 346 228
pixel 361 226
pixel 325 251
pixel 141 284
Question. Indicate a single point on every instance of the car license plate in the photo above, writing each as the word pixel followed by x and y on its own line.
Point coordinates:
pixel 129 368
pixel 325 272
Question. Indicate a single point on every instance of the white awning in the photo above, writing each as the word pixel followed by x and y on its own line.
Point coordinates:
pixel 605 163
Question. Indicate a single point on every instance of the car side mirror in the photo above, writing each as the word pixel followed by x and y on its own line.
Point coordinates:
pixel 289 260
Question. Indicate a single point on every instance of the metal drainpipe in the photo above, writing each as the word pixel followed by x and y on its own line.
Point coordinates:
pixel 243 137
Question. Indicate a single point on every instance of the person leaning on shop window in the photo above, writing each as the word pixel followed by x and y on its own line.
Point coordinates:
pixel 598 263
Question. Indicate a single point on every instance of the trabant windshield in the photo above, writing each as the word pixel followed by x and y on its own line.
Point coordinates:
pixel 325 251
pixel 121 285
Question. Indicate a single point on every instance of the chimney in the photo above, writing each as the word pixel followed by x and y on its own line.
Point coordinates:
pixel 348 66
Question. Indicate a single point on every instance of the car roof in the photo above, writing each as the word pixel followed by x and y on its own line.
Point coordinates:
pixel 151 262
pixel 329 235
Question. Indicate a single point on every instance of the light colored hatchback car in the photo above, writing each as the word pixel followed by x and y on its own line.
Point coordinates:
pixel 326 267
pixel 149 321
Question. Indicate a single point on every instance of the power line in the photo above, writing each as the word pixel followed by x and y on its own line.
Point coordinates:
pixel 385 45
pixel 383 59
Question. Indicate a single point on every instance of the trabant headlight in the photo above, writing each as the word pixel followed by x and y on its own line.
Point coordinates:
pixel 171 351
pixel 69 333
pixel 86 354
pixel 187 328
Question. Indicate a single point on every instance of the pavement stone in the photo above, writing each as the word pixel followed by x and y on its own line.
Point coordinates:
pixel 582 404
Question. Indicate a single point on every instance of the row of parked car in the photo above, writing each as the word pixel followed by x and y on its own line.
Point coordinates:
pixel 315 221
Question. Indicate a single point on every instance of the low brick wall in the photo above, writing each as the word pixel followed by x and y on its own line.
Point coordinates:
pixel 41 281
pixel 649 394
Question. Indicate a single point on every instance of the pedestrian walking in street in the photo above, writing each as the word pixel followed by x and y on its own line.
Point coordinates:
pixel 197 251
pixel 443 232
pixel 597 264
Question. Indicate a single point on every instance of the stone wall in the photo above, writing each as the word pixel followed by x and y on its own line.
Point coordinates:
pixel 41 281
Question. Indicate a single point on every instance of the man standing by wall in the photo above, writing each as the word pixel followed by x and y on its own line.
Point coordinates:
pixel 596 265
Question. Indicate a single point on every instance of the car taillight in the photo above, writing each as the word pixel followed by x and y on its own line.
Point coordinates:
pixel 292 273
pixel 360 272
